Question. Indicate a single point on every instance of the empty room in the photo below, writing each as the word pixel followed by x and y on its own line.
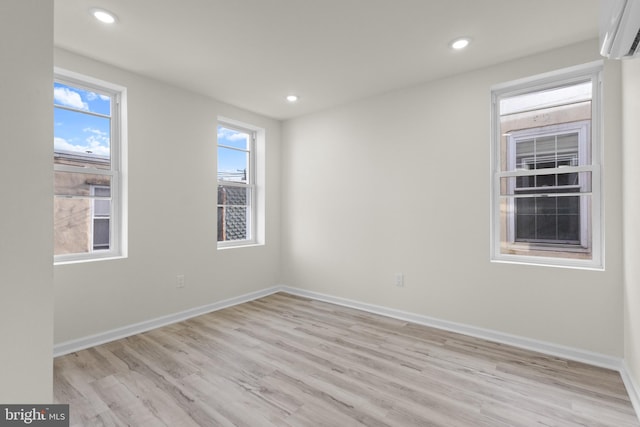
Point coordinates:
pixel 320 213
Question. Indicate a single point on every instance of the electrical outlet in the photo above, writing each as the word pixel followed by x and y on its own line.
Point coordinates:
pixel 399 280
pixel 180 281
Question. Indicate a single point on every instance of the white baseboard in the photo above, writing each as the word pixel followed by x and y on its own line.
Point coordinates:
pixel 137 328
pixel 632 387
pixel 547 348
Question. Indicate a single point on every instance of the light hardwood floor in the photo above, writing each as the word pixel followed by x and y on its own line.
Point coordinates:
pixel 289 361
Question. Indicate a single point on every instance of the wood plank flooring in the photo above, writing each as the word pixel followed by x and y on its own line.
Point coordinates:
pixel 289 361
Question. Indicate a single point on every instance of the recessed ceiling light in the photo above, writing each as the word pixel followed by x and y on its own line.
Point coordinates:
pixel 460 43
pixel 103 15
pixel 292 98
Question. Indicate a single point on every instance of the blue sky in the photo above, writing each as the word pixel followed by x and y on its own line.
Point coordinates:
pixel 75 130
pixel 231 162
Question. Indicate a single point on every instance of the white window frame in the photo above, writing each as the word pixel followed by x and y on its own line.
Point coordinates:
pixel 117 172
pixel 255 211
pixel 574 75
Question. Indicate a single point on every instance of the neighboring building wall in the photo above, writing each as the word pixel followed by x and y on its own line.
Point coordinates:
pixel 73 217
pixel 72 226
pixel 232 221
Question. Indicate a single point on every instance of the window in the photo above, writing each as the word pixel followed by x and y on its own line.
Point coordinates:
pixel 87 163
pixel 101 217
pixel 546 201
pixel 236 186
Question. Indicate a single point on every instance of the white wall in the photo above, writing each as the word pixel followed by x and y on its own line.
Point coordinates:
pixel 631 167
pixel 26 229
pixel 400 183
pixel 172 215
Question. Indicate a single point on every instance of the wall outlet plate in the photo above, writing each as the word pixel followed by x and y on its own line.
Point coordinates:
pixel 399 279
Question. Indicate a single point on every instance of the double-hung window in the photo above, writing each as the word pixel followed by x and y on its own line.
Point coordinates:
pixel 236 186
pixel 546 180
pixel 87 163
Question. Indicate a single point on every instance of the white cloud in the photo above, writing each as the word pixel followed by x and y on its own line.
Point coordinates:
pixel 92 96
pixel 93 146
pixel 69 98
pixel 97 132
pixel 230 135
pixel 98 145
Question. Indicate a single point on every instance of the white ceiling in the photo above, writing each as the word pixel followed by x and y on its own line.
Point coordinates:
pixel 252 53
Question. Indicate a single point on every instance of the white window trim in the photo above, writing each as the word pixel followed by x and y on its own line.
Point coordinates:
pixel 255 183
pixel 592 71
pixel 118 172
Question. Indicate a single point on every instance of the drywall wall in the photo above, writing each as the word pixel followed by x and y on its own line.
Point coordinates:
pixel 26 236
pixel 172 214
pixel 631 150
pixel 399 183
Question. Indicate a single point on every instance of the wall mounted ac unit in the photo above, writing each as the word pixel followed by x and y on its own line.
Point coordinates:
pixel 620 28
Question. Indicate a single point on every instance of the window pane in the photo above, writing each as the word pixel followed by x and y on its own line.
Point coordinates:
pixel 81 184
pixel 547 98
pixel 101 207
pixel 232 223
pixel 233 138
pixel 233 165
pixel 81 219
pixel 102 191
pixel 229 195
pixel 525 227
pixel 71 225
pixel 545 152
pixel 100 233
pixel 568 144
pixel 80 99
pixel 547 219
pixel 81 139
pixel 569 227
pixel 548 226
pixel 525 154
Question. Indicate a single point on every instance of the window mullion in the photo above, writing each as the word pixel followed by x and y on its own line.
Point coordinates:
pixel 546 171
pixel 89 113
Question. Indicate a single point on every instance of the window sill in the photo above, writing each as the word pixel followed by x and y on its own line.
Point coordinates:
pixel 554 251
pixel 239 245
pixel 86 260
pixel 538 261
